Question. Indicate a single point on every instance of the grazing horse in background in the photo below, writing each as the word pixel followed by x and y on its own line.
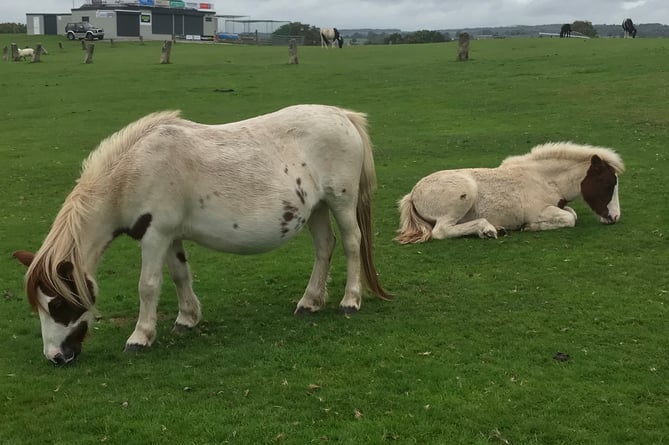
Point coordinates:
pixel 629 29
pixel 245 187
pixel 329 36
pixel 528 192
pixel 565 31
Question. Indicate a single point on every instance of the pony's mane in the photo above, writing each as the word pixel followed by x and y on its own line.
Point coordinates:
pixel 568 151
pixel 63 242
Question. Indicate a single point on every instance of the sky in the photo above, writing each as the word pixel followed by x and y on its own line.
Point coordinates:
pixel 406 15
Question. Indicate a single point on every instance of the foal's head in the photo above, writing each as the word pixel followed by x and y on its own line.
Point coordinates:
pixel 64 315
pixel 599 189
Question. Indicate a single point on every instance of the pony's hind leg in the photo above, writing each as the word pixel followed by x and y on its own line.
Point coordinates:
pixel 323 238
pixel 445 228
pixel 351 238
pixel 189 306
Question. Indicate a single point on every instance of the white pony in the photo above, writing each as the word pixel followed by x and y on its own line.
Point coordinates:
pixel 331 37
pixel 528 192
pixel 26 52
pixel 245 187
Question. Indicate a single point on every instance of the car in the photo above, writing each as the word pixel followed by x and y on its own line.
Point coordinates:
pixel 83 30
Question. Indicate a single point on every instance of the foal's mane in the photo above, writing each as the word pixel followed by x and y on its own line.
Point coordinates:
pixel 568 151
pixel 62 244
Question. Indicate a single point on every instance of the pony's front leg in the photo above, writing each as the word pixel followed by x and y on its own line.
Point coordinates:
pixel 189 306
pixel 552 217
pixel 315 295
pixel 150 282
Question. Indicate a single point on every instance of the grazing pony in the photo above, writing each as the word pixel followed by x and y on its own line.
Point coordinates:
pixel 245 187
pixel 565 31
pixel 527 192
pixel 629 29
pixel 26 52
pixel 329 36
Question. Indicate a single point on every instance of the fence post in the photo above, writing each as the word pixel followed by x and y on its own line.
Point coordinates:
pixel 463 46
pixel 166 52
pixel 292 52
pixel 15 52
pixel 38 52
pixel 89 53
pixel 5 53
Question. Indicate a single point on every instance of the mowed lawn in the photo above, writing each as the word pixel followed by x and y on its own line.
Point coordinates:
pixel 465 354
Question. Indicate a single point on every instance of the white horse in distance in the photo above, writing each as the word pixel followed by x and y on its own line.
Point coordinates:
pixel 331 37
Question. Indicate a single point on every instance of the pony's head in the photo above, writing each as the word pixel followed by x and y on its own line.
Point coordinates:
pixel 63 296
pixel 599 189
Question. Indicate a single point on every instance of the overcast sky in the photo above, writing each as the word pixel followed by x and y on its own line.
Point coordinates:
pixel 407 15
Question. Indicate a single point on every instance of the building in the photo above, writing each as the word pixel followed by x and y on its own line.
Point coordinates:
pixel 149 19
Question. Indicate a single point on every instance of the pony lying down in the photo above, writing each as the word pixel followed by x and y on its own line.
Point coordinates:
pixel 527 192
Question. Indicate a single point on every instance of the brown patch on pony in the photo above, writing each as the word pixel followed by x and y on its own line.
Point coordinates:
pixel 290 212
pixel 598 186
pixel 562 203
pixel 138 229
pixel 301 193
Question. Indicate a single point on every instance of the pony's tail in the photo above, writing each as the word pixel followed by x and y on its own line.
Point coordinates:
pixel 364 209
pixel 413 227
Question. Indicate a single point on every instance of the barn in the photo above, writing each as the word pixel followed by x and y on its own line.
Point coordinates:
pixel 149 19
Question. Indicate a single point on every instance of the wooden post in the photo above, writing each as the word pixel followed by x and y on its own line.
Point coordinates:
pixel 15 52
pixel 166 51
pixel 141 40
pixel 463 46
pixel 111 42
pixel 292 52
pixel 83 44
pixel 5 54
pixel 257 41
pixel 89 53
pixel 60 46
pixel 37 53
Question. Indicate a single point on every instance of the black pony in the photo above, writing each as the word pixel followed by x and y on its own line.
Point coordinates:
pixel 628 27
pixel 565 31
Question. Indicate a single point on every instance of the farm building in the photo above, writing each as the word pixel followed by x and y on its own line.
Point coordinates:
pixel 149 19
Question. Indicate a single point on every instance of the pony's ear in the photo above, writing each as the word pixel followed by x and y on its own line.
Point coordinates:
pixel 65 269
pixel 596 160
pixel 24 257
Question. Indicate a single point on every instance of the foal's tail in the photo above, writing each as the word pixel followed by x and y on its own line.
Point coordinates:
pixel 413 227
pixel 364 209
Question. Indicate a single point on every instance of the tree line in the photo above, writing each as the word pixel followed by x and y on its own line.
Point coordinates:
pixel 13 28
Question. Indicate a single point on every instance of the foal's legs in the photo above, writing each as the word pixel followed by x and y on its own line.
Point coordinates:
pixel 189 305
pixel 552 217
pixel 323 238
pixel 446 228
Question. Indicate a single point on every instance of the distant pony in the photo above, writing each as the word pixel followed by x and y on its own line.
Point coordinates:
pixel 565 31
pixel 329 36
pixel 26 52
pixel 527 192
pixel 628 27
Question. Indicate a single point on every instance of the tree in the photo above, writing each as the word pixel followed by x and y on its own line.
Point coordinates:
pixel 584 28
pixel 311 34
pixel 12 28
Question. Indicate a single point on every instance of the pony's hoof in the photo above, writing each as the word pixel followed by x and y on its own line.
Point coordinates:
pixel 303 310
pixel 180 329
pixel 135 347
pixel 348 310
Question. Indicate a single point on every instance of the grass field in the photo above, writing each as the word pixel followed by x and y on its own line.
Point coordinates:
pixel 465 352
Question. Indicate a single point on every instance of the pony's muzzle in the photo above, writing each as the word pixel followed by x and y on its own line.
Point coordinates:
pixel 609 219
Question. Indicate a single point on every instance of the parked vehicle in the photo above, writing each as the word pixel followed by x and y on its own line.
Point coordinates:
pixel 83 30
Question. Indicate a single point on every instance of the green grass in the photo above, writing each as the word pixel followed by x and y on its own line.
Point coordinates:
pixel 464 355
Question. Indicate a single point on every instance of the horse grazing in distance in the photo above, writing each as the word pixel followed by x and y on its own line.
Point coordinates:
pixel 245 187
pixel 527 192
pixel 629 29
pixel 330 37
pixel 565 31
